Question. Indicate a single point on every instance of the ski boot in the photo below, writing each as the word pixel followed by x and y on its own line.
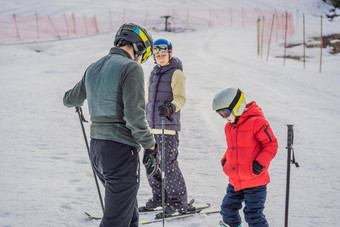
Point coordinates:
pixel 152 204
pixel 168 210
pixel 225 225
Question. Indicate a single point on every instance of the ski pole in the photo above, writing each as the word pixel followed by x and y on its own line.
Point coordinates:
pixel 82 119
pixel 163 170
pixel 290 139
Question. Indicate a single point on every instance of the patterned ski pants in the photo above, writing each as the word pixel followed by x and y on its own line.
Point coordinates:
pixel 175 189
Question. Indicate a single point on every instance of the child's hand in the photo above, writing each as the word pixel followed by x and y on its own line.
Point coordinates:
pixel 166 109
pixel 223 162
pixel 257 168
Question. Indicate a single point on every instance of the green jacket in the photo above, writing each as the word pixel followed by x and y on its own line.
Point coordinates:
pixel 114 89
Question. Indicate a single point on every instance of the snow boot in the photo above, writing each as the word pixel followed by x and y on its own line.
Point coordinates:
pixel 225 225
pixel 152 204
pixel 168 210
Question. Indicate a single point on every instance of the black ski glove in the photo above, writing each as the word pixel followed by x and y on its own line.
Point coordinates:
pixel 223 162
pixel 166 109
pixel 257 168
pixel 150 161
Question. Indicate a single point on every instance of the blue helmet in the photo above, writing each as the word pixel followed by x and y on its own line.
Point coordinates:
pixel 162 46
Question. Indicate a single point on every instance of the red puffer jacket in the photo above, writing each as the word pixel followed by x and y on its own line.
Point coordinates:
pixel 250 139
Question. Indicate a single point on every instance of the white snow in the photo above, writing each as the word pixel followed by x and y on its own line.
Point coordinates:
pixel 45 174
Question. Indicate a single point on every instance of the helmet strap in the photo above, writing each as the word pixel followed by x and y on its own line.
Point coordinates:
pixel 235 100
pixel 137 56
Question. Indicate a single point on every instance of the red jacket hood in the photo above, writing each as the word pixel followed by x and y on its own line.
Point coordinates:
pixel 252 109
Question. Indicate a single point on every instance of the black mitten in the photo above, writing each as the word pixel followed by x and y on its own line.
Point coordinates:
pixel 257 168
pixel 223 162
pixel 166 109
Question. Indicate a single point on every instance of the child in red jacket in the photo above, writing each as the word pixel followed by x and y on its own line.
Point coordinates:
pixel 251 147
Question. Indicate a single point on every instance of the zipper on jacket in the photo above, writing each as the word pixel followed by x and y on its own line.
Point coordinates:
pixel 265 130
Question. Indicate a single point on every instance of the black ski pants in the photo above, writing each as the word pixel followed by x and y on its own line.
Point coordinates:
pixel 254 199
pixel 117 166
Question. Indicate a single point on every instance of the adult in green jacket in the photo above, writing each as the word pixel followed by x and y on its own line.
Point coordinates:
pixel 114 89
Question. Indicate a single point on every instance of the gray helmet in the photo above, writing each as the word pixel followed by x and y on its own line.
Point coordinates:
pixel 230 98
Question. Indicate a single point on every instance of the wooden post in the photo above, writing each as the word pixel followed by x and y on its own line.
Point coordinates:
pixel 321 43
pixel 66 24
pixel 258 36
pixel 16 26
pixel 74 24
pixel 54 28
pixel 285 43
pixel 304 41
pixel 37 24
pixel 262 32
pixel 270 36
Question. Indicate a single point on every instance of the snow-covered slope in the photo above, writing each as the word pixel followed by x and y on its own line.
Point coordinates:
pixel 45 175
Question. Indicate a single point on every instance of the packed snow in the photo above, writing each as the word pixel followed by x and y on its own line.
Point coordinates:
pixel 45 174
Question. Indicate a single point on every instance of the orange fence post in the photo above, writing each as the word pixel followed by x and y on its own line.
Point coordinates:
pixel 95 24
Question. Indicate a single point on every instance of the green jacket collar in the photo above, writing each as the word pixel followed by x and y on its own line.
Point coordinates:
pixel 117 50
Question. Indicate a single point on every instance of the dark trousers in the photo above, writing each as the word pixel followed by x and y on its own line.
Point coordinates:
pixel 175 188
pixel 254 199
pixel 117 166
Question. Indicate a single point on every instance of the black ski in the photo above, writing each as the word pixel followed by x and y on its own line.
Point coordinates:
pixel 93 216
pixel 180 216
pixel 144 209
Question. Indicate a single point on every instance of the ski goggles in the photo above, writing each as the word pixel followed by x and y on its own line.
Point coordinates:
pixel 225 112
pixel 139 48
pixel 161 48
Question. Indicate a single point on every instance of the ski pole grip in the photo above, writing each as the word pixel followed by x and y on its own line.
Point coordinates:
pixel 290 135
